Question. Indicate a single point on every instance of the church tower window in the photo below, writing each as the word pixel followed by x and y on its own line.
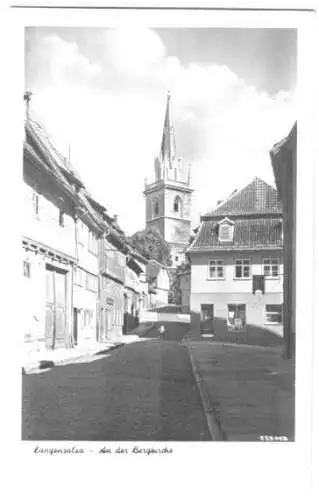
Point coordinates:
pixel 156 207
pixel 177 205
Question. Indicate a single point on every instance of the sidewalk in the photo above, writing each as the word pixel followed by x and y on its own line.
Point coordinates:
pixel 249 392
pixel 36 361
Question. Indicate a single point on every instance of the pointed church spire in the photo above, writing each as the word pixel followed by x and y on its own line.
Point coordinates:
pixel 168 147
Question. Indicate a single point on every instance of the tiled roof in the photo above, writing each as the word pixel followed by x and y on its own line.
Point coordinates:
pixel 249 234
pixel 40 135
pixel 256 198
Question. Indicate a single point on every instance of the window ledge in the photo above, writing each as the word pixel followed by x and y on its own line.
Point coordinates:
pixel 271 323
pixel 215 279
pixel 242 279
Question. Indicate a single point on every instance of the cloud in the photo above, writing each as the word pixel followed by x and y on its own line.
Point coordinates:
pixel 111 112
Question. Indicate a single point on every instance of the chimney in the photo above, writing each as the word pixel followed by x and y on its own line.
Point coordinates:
pixel 115 218
pixel 27 99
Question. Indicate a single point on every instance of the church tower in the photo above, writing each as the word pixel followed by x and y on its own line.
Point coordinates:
pixel 168 199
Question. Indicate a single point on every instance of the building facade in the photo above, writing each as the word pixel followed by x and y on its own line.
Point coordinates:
pixel 48 228
pixel 182 286
pixel 80 275
pixel 112 279
pixel 159 283
pixel 237 264
pixel 86 277
pixel 284 160
pixel 168 198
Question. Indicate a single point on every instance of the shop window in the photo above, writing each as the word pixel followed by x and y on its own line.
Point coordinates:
pixel 273 314
pixel 236 319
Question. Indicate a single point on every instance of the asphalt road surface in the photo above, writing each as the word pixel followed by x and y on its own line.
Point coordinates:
pixel 143 391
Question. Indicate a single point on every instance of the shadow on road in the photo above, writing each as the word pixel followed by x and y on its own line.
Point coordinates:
pixel 143 391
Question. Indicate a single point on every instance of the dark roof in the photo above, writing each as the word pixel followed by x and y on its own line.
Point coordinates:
pixel 255 198
pixel 283 156
pixel 249 234
pixel 40 135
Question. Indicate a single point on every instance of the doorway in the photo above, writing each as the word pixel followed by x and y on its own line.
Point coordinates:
pixel 55 307
pixel 207 317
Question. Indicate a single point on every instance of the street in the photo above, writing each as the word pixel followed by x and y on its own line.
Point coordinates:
pixel 143 391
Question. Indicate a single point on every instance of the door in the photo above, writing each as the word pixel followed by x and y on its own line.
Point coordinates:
pixel 207 317
pixel 55 317
pixel 236 320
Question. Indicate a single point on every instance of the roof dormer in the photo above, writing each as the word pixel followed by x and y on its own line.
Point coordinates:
pixel 226 230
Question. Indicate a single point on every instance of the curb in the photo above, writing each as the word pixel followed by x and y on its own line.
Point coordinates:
pixel 214 428
pixel 44 364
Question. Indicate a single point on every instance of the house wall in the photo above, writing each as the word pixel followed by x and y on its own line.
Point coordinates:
pixel 234 291
pixel 185 288
pixel 112 270
pixel 84 298
pixel 162 287
pixel 44 228
pixel 33 303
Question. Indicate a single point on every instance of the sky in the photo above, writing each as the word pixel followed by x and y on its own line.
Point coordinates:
pixel 102 93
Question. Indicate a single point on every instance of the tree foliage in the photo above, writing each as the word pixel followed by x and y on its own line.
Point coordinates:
pixel 151 244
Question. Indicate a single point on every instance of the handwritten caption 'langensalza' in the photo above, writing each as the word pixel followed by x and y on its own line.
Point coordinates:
pixel 135 450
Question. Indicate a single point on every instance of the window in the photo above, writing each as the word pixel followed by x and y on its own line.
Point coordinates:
pixel 79 276
pixel 176 258
pixel 35 202
pixel 93 243
pixel 91 282
pixel 226 230
pixel 61 218
pixel 88 317
pixel 177 205
pixel 273 314
pixel 271 268
pixel 216 269
pixel 81 230
pixel 242 268
pixel 26 269
pixel 156 207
